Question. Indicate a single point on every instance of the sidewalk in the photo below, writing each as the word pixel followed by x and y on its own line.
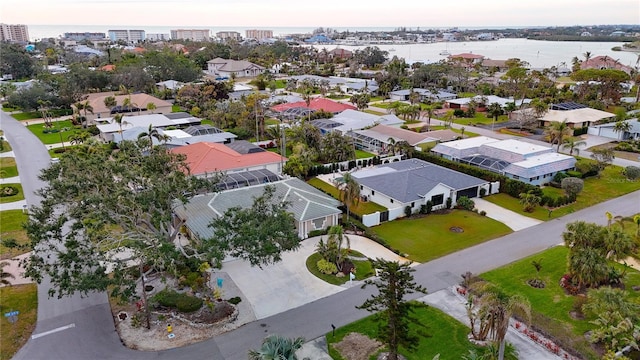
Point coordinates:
pixel 16 205
pixel 14 269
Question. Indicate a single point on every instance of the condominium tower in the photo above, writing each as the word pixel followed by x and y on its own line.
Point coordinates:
pixel 14 33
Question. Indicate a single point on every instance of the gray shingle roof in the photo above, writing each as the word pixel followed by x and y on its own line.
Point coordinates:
pixel 306 203
pixel 409 180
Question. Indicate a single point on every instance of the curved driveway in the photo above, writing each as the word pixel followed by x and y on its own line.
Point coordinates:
pixel 94 335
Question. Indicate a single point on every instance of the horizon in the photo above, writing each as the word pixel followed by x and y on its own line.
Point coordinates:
pixel 335 14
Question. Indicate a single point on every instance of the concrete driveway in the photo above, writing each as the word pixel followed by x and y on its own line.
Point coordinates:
pixel 288 284
pixel 512 219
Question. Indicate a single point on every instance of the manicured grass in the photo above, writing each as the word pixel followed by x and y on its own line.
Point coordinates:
pixel 271 121
pixel 17 197
pixel 446 336
pixel 281 84
pixel 429 237
pixel 11 228
pixel 550 305
pixel 206 122
pixel 373 112
pixel 362 208
pixel 29 115
pixel 363 269
pixel 5 144
pixel 176 108
pixel 467 133
pixel 361 154
pixel 611 184
pixel 8 167
pixel 53 138
pixel 22 298
pixel 480 118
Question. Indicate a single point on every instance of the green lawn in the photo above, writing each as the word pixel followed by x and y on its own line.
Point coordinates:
pixel 17 197
pixel 281 84
pixel 206 122
pixel 176 108
pixel 29 115
pixel 373 112
pixel 429 237
pixel 362 208
pixel 550 305
pixel 446 336
pixel 480 118
pixel 611 184
pixel 8 167
pixel 11 228
pixel 467 133
pixel 53 138
pixel 361 154
pixel 22 298
pixel 363 269
pixel 5 144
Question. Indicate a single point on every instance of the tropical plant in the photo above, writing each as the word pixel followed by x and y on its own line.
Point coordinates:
pixel 494 110
pixel 572 186
pixel 603 158
pixel 78 137
pixel 349 191
pixel 557 132
pixel 622 127
pixel 529 200
pixel 615 315
pixel 5 276
pixel 573 145
pixel 393 312
pixel 277 347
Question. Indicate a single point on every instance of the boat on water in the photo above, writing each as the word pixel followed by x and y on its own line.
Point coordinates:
pixel 445 53
pixel 392 49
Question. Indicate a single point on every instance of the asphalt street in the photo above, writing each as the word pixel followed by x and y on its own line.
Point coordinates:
pixel 83 328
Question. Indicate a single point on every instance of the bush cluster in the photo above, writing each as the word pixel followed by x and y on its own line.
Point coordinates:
pixel 632 172
pixel 8 190
pixel 326 267
pixel 181 302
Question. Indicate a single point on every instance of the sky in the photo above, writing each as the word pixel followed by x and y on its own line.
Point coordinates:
pixel 325 13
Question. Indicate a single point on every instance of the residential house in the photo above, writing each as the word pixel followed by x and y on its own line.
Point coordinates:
pixel 311 208
pixel 413 182
pixel 315 104
pixel 575 118
pixel 483 101
pixel 609 130
pixel 466 59
pixel 206 159
pixel 423 95
pixel 139 103
pixel 516 159
pixel 180 137
pixel 233 68
pixel 136 124
pixel 350 120
pixel 605 62
pixel 381 138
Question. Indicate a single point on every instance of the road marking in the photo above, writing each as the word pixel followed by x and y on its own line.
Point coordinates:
pixel 53 331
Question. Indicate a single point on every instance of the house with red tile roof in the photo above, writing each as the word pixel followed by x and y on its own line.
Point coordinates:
pixel 315 105
pixel 605 62
pixel 206 158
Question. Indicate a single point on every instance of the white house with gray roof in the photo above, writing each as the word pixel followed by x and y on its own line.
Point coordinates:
pixel 530 163
pixel 311 208
pixel 413 182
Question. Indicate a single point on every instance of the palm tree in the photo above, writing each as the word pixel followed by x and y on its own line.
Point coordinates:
pixel 277 347
pixel 499 307
pixel 335 240
pixel 622 127
pixel 118 119
pixel 151 106
pixel 429 109
pixel 573 145
pixel 557 131
pixel 4 276
pixel 494 110
pixel 529 200
pixel 110 102
pixel 78 137
pixel 349 192
pixel 587 56
pixel 152 133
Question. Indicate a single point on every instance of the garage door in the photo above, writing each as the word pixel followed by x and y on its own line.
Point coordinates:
pixel 470 192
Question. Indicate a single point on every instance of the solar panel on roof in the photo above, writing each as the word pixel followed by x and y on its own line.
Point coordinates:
pixel 570 105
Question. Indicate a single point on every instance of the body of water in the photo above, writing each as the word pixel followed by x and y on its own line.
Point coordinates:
pixel 540 54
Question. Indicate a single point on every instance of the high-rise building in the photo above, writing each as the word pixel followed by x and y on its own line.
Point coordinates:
pixel 130 36
pixel 91 36
pixel 14 33
pixel 158 37
pixel 259 34
pixel 228 35
pixel 190 34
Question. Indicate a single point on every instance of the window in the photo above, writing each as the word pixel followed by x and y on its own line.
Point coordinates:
pixel 391 201
pixel 373 192
pixel 516 177
pixel 437 199
pixel 413 204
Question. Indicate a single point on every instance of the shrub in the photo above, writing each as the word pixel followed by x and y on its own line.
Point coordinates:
pixel 572 173
pixel 449 203
pixel 326 267
pixel 188 304
pixel 167 298
pixel 632 172
pixel 93 130
pixel 8 190
pixel 466 203
pixel 572 186
pixel 559 176
pixel 235 300
pixel 483 213
pixel 319 232
pixel 483 192
pixel 458 113
pixel 407 211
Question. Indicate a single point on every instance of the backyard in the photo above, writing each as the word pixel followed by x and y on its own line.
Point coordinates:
pixel 425 238
pixel 362 208
pixel 551 305
pixel 446 335
pixel 609 185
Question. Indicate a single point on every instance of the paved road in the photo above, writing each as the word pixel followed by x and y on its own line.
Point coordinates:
pixel 94 337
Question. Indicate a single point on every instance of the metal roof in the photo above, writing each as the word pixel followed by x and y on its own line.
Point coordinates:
pixel 246 178
pixel 570 105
